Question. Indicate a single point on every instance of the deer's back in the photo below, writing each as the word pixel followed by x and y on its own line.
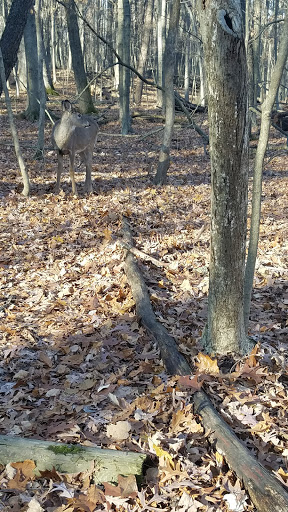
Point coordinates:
pixel 76 138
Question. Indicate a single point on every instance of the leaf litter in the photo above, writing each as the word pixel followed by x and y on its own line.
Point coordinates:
pixel 77 367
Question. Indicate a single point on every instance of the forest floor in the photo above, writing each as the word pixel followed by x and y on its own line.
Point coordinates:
pixel 77 367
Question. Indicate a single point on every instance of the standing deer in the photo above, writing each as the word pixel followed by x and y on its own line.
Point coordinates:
pixel 74 133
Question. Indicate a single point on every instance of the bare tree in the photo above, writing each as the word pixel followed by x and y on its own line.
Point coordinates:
pixel 266 110
pixel 12 35
pixel 123 35
pixel 222 31
pixel 147 26
pixel 85 99
pixel 23 170
pixel 169 97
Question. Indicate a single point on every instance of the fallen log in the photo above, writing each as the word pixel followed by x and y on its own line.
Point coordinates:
pixel 105 465
pixel 193 107
pixel 265 491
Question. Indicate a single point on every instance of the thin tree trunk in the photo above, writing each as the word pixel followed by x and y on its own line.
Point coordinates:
pixel 18 152
pixel 30 40
pixel 42 93
pixel 169 97
pixel 161 22
pixel 124 73
pixel 144 50
pixel 85 99
pixel 258 167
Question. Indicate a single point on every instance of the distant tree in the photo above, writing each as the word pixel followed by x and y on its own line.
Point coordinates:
pixel 147 27
pixel 169 97
pixel 13 32
pixel 85 98
pixel 123 37
pixel 30 42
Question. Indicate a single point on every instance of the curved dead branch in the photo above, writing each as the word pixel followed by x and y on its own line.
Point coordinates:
pixel 265 491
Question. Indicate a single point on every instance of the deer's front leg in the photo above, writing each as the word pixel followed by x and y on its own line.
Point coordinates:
pixel 72 174
pixel 59 171
pixel 88 162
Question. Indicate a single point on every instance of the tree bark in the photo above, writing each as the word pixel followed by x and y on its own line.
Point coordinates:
pixel 42 92
pixel 31 55
pixel 85 100
pixel 265 491
pixel 105 464
pixel 143 50
pixel 123 33
pixel 23 170
pixel 12 35
pixel 161 24
pixel 258 168
pixel 169 98
pixel 225 66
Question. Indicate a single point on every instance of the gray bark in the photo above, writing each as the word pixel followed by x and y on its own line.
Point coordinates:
pixel 42 91
pixel 18 152
pixel 225 65
pixel 105 465
pixel 143 50
pixel 30 41
pixel 12 35
pixel 161 24
pixel 169 97
pixel 85 99
pixel 256 40
pixel 124 72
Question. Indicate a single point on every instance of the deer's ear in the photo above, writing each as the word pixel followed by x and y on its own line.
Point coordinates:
pixel 66 106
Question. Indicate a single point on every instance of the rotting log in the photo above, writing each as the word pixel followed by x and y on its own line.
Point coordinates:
pixel 265 491
pixel 105 465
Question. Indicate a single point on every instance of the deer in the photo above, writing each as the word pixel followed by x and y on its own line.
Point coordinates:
pixel 74 133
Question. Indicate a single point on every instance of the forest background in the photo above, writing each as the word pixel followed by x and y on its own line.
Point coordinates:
pixel 77 366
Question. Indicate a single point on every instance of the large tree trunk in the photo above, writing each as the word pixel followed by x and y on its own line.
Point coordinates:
pixel 169 97
pixel 12 35
pixel 258 166
pixel 225 66
pixel 85 99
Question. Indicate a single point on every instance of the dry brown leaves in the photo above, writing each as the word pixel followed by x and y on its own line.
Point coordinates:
pixel 77 367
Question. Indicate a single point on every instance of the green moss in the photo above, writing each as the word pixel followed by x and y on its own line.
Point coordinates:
pixel 65 449
pixel 51 92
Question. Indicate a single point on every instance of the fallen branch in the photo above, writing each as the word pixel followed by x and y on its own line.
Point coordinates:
pixel 144 256
pixel 265 491
pixel 105 465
